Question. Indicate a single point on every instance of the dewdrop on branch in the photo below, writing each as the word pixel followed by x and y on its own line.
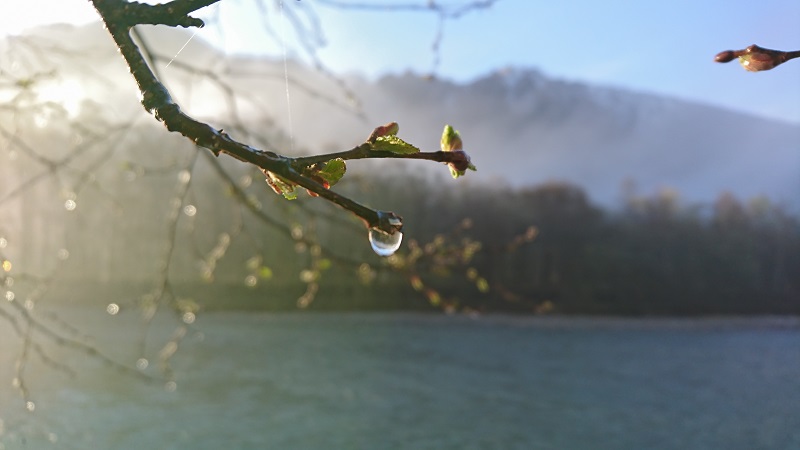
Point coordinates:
pixel 386 243
pixel 383 243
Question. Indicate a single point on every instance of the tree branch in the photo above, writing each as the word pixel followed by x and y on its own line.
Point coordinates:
pixel 364 151
pixel 174 13
pixel 120 16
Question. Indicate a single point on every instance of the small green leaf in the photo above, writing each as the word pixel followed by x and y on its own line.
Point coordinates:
pixel 393 144
pixel 290 193
pixel 280 186
pixel 451 140
pixel 333 171
pixel 460 160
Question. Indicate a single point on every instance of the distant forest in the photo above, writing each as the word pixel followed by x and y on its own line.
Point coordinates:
pixel 468 247
pixel 653 256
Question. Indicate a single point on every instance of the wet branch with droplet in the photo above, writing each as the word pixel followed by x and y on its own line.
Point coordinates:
pixel 314 173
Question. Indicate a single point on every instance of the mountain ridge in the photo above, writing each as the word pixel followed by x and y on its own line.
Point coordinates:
pixel 520 126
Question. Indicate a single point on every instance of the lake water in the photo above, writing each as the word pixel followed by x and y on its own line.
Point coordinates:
pixel 407 381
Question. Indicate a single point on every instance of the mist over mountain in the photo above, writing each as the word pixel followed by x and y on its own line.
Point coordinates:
pixel 95 190
pixel 520 126
pixel 524 128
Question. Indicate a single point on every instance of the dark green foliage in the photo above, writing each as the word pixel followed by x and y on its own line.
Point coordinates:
pixel 653 256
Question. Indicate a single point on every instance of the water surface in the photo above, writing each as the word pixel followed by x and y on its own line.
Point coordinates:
pixel 361 380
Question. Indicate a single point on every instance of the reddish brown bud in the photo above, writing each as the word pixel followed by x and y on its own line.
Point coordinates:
pixel 321 181
pixel 755 58
pixel 389 129
pixel 460 161
pixel 756 61
pixel 726 56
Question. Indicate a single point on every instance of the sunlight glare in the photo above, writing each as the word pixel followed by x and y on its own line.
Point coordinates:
pixel 21 15
pixel 67 93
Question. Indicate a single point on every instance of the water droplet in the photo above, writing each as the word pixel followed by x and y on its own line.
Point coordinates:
pixel 3 242
pixel 112 309
pixel 70 205
pixel 250 281
pixel 142 363
pixel 10 296
pixel 190 210
pixel 383 243
pixel 63 254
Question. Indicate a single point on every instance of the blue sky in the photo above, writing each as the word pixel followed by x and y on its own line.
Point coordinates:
pixel 659 47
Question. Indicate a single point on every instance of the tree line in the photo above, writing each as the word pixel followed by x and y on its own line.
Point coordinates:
pixel 478 247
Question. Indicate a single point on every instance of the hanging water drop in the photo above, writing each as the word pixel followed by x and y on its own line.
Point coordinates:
pixel 383 243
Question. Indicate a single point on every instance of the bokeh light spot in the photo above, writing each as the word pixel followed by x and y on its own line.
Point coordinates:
pixel 188 317
pixel 184 176
pixel 63 254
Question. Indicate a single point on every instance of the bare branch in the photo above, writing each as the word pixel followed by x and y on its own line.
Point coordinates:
pixel 175 13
